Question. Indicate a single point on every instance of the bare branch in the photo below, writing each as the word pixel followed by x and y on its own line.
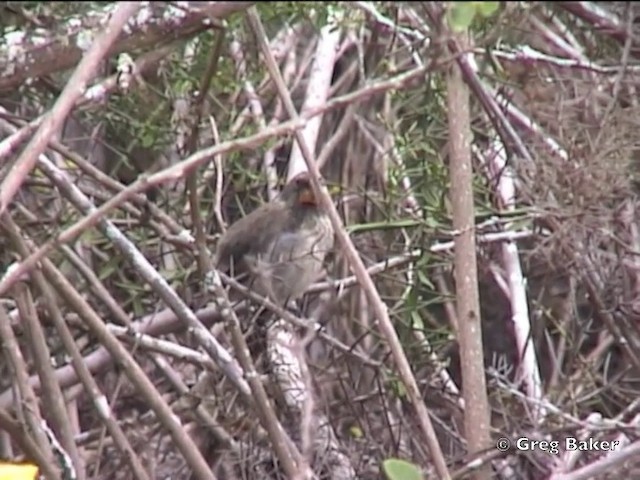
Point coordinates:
pixel 354 259
pixel 29 55
pixel 477 419
pixel 74 88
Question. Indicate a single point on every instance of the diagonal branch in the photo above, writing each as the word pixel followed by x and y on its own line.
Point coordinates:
pixel 380 309
pixel 32 54
pixel 75 87
pixel 200 158
pixel 94 95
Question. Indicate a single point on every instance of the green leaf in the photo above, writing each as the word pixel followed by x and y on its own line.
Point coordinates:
pixel 107 269
pixel 148 140
pixel 356 431
pixel 486 9
pixel 424 280
pixel 397 469
pixel 416 321
pixel 399 388
pixel 461 15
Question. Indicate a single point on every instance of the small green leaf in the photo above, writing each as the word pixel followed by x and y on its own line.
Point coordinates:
pixel 356 431
pixel 397 469
pixel 399 388
pixel 486 9
pixel 461 15
pixel 424 280
pixel 107 270
pixel 416 321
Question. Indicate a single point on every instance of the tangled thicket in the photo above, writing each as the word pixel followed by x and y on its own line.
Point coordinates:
pixel 564 79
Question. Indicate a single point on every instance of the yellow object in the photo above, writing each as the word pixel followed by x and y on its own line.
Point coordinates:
pixel 18 471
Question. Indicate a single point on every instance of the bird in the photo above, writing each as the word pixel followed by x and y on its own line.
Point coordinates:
pixel 279 248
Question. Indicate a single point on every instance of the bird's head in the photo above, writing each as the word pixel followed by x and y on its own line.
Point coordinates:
pixel 299 192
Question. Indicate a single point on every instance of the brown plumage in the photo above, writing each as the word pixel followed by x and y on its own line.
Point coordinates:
pixel 280 245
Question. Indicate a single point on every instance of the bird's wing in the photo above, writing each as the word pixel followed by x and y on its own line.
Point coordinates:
pixel 259 229
pixel 295 245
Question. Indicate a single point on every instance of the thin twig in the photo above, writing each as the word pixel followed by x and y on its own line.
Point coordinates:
pixel 201 157
pixel 380 309
pixel 72 91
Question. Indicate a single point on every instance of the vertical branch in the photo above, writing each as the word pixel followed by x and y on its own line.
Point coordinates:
pixel 50 387
pixel 192 146
pixel 31 409
pixel 316 94
pixel 529 370
pixel 477 420
pixel 145 387
pixel 17 433
pixel 285 450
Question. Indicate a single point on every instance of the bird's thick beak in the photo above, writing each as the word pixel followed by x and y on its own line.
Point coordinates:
pixel 307 197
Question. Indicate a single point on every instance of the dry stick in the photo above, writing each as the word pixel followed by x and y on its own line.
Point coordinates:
pixel 254 105
pixel 400 260
pixel 149 274
pixel 49 51
pixel 143 183
pixel 181 169
pixel 18 433
pixel 96 361
pixel 290 371
pixel 118 314
pixel 166 320
pixel 75 87
pixel 192 146
pixel 18 369
pixel 601 466
pixel 164 347
pixel 507 132
pixel 292 319
pixel 477 417
pixel 269 158
pixel 217 165
pixel 529 371
pixel 51 391
pixel 285 450
pixel 600 18
pixel 489 102
pixel 210 344
pixel 95 94
pixel 624 64
pixel 416 212
pixel 380 309
pixel 282 42
pixel 588 275
pixel 138 378
pixel 78 362
pixel 186 446
pixel 100 177
pixel 338 136
pixel 224 441
pixel 316 94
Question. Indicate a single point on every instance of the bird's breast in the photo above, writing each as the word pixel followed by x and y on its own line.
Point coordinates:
pixel 295 258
